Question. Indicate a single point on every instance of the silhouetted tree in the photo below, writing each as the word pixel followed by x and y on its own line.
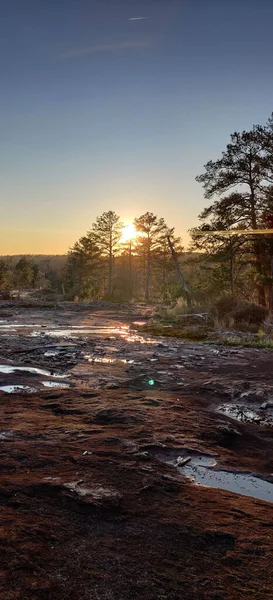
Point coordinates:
pixel 151 229
pixel 107 233
pixel 241 180
pixel 84 269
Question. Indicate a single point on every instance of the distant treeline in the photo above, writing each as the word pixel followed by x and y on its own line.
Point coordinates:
pixel 23 272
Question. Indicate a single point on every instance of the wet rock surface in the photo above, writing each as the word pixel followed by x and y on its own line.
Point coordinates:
pixel 98 479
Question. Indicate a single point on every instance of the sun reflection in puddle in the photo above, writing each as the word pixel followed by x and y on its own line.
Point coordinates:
pixel 42 330
pixel 106 360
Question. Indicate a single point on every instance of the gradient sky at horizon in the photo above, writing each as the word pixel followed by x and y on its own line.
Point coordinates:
pixel 101 112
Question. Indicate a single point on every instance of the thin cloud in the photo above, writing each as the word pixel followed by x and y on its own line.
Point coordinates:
pixel 137 18
pixel 77 52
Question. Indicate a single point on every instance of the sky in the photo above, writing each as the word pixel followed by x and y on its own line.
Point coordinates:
pixel 117 105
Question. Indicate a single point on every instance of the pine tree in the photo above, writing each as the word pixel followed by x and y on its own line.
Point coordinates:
pixel 240 179
pixel 151 229
pixel 84 269
pixel 107 234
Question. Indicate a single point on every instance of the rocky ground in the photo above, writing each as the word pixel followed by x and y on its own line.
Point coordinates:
pixel 122 456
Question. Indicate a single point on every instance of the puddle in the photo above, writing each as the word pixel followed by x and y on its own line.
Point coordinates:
pixel 201 470
pixel 19 325
pixel 12 369
pixel 74 331
pixel 6 435
pixel 107 360
pixel 123 332
pixel 82 330
pixel 140 323
pixel 51 353
pixel 13 389
pixel 134 338
pixel 55 384
pixel 245 414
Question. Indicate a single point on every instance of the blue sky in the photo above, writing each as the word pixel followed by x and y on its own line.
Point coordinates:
pixel 99 112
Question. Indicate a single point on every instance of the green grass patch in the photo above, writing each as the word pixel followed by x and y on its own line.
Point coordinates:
pixel 263 344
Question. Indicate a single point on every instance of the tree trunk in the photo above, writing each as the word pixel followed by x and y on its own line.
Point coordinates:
pixel 271 286
pixel 148 273
pixel 179 273
pixel 261 288
pixel 261 295
pixel 110 288
pixel 259 268
pixel 231 269
pixel 130 268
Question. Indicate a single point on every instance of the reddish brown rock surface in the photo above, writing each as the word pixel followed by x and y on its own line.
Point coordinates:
pixel 87 514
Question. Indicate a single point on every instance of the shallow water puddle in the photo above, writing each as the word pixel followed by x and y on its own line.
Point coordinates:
pixel 69 332
pixel 245 414
pixel 55 384
pixel 107 360
pixel 13 389
pixel 200 469
pixel 6 435
pixel 17 325
pixel 12 369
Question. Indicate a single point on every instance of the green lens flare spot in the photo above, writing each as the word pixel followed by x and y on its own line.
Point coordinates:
pixel 151 382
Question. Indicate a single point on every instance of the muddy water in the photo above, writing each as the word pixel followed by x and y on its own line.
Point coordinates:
pixel 201 470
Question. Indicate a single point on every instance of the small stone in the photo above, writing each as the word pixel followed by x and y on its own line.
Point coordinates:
pixel 181 461
pixel 245 395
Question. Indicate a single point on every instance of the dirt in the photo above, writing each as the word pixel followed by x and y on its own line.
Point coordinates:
pixel 89 509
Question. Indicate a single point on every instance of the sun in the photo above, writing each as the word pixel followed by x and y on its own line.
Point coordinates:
pixel 128 232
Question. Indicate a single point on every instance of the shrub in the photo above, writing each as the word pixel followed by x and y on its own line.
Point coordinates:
pixel 223 307
pixel 227 309
pixel 249 313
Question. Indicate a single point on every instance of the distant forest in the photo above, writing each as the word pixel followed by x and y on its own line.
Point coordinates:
pixel 231 251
